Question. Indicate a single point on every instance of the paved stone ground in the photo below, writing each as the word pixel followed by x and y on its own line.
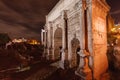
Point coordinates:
pixel 43 71
pixel 46 72
pixel 69 75
pixel 114 75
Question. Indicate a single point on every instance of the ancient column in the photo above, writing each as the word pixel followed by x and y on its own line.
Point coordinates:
pixel 42 36
pixel 51 41
pixel 65 29
pixel 65 39
pixel 45 42
pixel 83 44
pixel 82 33
pixel 90 38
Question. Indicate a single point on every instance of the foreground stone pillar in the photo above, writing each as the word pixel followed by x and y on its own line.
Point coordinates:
pixel 90 39
pixel 83 68
pixel 99 37
pixel 96 46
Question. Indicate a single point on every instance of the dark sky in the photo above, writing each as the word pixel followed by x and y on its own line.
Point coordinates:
pixel 115 9
pixel 25 18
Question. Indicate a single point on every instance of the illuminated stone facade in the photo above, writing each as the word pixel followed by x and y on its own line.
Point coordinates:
pixel 78 23
pixel 99 33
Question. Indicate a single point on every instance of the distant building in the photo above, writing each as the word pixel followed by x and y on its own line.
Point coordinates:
pixel 19 40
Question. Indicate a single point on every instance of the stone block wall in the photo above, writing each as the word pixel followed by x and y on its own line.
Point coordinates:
pixel 99 13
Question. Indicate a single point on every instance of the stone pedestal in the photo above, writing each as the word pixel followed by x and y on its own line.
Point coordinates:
pixel 64 63
pixel 83 69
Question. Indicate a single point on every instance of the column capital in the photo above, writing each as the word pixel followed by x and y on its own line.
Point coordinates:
pixel 64 14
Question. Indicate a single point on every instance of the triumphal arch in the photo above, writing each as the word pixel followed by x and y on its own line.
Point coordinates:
pixel 74 24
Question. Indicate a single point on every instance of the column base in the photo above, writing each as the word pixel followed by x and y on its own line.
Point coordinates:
pixel 61 64
pixel 85 73
pixel 82 75
pixel 51 56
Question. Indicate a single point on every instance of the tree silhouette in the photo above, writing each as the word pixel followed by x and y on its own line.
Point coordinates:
pixel 4 38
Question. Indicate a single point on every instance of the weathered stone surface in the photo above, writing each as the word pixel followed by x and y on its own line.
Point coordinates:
pixel 85 21
pixel 99 11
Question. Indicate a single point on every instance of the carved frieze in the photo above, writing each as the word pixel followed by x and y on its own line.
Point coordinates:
pixel 78 5
pixel 99 30
pixel 73 23
pixel 88 1
pixel 101 6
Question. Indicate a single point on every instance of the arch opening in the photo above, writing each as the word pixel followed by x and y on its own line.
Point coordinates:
pixel 75 46
pixel 57 42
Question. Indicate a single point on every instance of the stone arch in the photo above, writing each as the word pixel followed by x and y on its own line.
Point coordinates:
pixel 75 44
pixel 57 42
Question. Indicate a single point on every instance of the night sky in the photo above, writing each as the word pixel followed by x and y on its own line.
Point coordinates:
pixel 25 18
pixel 115 9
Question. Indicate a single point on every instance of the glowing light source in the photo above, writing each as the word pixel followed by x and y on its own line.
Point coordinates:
pixel 113 29
pixel 33 42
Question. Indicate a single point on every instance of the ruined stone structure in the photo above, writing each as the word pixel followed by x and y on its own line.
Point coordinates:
pixel 78 23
